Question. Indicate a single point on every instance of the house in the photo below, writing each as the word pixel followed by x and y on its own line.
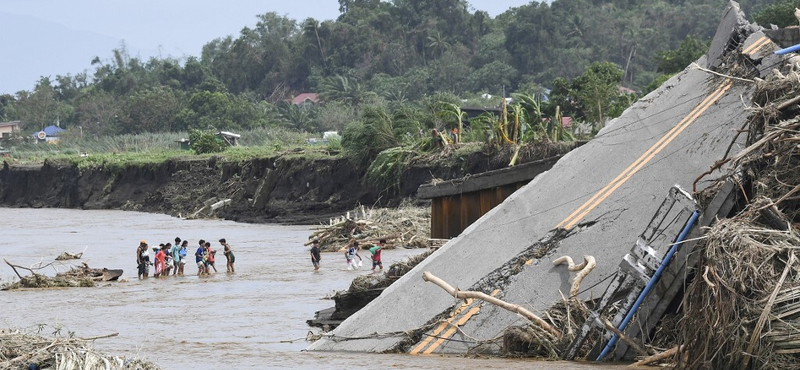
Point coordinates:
pixel 9 128
pixel 306 100
pixel 50 134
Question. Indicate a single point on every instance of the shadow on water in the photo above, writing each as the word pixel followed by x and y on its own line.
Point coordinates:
pixel 182 322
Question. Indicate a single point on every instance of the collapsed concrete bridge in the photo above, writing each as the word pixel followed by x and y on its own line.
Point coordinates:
pixel 598 199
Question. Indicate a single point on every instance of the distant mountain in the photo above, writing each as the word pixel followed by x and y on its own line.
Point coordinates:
pixel 46 49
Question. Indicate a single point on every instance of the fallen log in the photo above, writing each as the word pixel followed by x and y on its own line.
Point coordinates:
pixel 428 277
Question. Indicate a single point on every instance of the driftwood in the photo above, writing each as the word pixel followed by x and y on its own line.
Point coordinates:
pixel 657 357
pixel 81 276
pixel 427 276
pixel 406 226
pixel 71 256
pixel 19 350
pixel 584 269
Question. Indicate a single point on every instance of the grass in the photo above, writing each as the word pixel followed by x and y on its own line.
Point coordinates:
pixel 122 150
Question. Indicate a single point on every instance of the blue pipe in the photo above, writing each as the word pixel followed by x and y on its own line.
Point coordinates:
pixel 650 284
pixel 788 50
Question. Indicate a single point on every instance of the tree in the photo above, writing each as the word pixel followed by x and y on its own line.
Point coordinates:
pixel 674 61
pixel 97 113
pixel 597 89
pixel 298 118
pixel 152 110
pixel 206 142
pixel 41 107
pixel 780 14
pixel 373 133
pixel 594 96
pixel 219 110
pixel 343 89
pixel 7 111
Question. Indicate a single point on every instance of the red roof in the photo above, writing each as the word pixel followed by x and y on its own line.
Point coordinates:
pixel 305 96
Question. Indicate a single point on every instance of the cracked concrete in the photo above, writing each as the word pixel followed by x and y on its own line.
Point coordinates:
pixel 605 193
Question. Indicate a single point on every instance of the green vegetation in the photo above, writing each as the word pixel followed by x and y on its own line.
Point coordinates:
pixel 206 142
pixel 781 14
pixel 387 72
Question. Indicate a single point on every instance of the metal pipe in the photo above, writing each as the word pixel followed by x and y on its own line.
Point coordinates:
pixel 651 283
pixel 788 50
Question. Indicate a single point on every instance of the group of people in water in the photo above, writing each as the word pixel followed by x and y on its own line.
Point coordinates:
pixel 350 255
pixel 171 258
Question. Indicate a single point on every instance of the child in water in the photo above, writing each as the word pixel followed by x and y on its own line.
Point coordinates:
pixel 351 255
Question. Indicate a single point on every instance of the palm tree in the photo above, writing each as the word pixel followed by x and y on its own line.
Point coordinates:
pixel 438 43
pixel 344 89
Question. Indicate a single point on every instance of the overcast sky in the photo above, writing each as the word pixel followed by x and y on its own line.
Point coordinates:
pixel 58 37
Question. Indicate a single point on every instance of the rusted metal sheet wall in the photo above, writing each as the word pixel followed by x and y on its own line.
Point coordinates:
pixel 450 215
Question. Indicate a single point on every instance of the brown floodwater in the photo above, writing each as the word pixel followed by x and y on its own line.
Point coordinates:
pixel 239 320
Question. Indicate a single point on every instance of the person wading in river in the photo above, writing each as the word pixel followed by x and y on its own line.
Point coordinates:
pixel 176 255
pixel 161 257
pixel 351 255
pixel 376 254
pixel 183 253
pixel 315 255
pixel 143 259
pixel 198 258
pixel 210 258
pixel 228 255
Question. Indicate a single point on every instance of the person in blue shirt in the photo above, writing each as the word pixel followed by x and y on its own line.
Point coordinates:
pixel 198 258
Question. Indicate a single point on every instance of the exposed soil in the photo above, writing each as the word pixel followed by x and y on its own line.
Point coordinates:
pixel 292 187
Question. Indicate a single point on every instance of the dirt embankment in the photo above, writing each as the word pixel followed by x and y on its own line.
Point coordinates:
pixel 287 188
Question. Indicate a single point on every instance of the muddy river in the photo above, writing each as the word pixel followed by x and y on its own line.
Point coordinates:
pixel 240 320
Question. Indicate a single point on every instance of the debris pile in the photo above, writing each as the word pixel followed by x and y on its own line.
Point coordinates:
pixel 742 309
pixel 27 351
pixel 745 301
pixel 70 256
pixel 80 276
pixel 406 226
pixel 395 271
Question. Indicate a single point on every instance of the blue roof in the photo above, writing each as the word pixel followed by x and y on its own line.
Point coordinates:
pixel 51 130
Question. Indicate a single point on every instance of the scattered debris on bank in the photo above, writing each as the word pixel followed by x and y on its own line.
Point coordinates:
pixel 406 226
pixel 76 276
pixel 27 351
pixel 209 208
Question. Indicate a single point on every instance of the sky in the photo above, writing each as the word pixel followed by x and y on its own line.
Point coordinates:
pixel 57 37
